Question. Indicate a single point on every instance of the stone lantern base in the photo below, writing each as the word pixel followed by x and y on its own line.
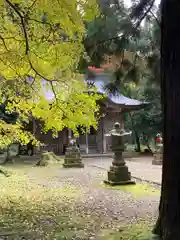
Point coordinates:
pixel 119 175
pixel 73 158
pixel 158 156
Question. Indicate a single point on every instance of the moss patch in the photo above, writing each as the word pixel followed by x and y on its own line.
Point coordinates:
pixel 137 190
pixel 134 232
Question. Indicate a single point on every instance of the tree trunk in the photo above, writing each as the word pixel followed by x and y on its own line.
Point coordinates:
pixel 138 144
pixel 146 141
pixel 137 140
pixel 168 224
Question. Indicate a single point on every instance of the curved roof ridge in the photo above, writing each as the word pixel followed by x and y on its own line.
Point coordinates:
pixel 117 98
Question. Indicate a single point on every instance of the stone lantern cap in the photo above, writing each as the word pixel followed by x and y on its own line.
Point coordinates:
pixel 118 131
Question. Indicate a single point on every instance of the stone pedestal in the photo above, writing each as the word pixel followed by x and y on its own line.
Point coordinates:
pixel 73 157
pixel 157 159
pixel 158 155
pixel 118 173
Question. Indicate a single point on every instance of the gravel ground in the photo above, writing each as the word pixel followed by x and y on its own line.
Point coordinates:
pixel 107 207
pixel 142 169
pixel 79 204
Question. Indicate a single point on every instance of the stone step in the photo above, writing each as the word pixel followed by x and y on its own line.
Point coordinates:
pixel 97 155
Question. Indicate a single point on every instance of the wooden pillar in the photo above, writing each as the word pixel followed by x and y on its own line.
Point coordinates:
pixel 34 126
pixel 121 119
pixel 34 134
pixel 104 145
pixel 69 135
pixel 101 136
pixel 87 144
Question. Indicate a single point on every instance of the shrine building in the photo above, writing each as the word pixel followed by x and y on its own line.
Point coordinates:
pixel 112 108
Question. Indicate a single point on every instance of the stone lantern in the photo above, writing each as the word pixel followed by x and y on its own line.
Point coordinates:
pixel 118 173
pixel 158 154
pixel 73 156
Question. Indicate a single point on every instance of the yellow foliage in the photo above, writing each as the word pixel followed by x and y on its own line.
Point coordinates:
pixel 131 85
pixel 43 40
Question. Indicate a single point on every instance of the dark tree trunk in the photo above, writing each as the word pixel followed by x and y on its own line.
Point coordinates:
pixel 168 224
pixel 136 136
pixel 145 138
pixel 138 144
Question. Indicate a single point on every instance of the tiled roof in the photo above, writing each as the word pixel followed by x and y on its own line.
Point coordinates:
pixel 119 99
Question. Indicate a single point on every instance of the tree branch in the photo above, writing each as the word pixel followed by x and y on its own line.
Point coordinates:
pixel 54 92
pixel 38 74
pixel 32 5
pixel 132 67
pixel 138 11
pixel 145 13
pixel 139 8
pixel 23 19
pixel 157 20
pixel 4 43
pixel 100 42
pixel 22 23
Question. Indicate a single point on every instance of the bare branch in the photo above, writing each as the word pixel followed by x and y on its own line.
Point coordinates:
pixel 157 20
pixel 138 9
pixel 141 7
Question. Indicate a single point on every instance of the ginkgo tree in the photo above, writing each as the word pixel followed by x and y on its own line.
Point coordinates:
pixel 40 46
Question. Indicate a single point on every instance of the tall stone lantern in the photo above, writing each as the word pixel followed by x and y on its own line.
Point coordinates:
pixel 118 173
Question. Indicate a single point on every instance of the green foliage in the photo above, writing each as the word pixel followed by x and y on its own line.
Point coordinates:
pixel 147 122
pixel 40 46
pixel 111 39
pixel 103 33
pixel 136 60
